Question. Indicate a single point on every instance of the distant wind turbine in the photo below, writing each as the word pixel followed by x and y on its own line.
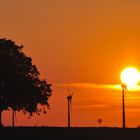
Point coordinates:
pixel 69 107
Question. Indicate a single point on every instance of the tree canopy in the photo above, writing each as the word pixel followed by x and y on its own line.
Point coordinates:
pixel 20 85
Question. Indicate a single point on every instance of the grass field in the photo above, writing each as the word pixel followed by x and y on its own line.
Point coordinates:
pixel 75 133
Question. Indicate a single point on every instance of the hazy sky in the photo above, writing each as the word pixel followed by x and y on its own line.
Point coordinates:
pixel 75 41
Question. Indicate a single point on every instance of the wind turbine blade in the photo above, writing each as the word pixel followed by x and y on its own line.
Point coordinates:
pixel 126 90
pixel 72 94
pixel 68 90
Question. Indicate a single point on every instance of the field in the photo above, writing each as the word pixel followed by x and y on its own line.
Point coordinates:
pixel 61 133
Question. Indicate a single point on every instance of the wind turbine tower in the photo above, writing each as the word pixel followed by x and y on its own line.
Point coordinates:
pixel 69 98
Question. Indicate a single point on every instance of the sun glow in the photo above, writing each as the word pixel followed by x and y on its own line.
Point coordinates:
pixel 130 76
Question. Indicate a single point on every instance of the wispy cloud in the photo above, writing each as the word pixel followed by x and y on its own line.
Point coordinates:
pixel 94 106
pixel 98 86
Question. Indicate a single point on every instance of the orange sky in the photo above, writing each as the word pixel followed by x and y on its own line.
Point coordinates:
pixel 78 41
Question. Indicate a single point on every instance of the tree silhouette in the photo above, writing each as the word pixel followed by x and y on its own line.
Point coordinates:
pixel 20 85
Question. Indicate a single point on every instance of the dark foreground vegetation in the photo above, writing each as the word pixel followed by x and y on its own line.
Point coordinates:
pixel 60 133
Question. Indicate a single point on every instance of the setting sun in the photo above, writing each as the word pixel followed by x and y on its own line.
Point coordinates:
pixel 130 76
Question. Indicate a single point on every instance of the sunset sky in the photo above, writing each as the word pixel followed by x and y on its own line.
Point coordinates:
pixel 81 43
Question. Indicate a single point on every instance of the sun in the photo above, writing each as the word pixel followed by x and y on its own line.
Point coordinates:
pixel 130 76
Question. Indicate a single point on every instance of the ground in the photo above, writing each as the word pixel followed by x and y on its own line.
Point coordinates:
pixel 60 133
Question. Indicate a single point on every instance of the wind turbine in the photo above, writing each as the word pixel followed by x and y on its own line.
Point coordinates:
pixel 124 90
pixel 69 98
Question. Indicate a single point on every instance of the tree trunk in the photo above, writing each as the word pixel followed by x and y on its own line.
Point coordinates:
pixel 13 118
pixel 0 118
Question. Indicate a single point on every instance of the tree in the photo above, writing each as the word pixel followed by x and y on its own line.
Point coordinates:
pixel 20 86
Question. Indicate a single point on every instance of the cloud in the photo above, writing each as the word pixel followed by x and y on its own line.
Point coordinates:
pixel 94 106
pixel 116 87
pixel 89 85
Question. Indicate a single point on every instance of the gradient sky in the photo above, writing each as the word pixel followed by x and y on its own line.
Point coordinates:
pixel 78 41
